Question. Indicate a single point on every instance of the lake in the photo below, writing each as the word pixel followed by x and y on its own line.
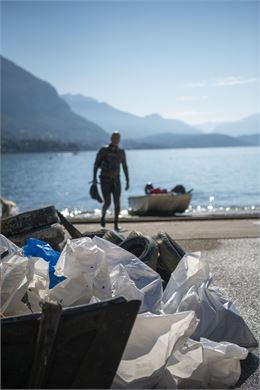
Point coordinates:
pixel 223 179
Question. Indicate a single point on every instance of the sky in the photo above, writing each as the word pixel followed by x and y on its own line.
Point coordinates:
pixel 197 61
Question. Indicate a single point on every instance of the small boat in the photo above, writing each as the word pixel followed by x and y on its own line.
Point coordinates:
pixel 164 204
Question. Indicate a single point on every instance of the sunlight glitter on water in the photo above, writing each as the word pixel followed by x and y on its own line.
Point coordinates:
pixel 191 211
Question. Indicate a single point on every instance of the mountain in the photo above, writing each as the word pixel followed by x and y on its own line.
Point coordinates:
pixel 35 118
pixel 246 126
pixel 129 125
pixel 33 112
pixel 207 127
pixel 168 140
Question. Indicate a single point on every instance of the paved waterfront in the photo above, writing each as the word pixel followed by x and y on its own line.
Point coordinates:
pixel 188 229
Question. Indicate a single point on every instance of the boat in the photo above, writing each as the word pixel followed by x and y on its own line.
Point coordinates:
pixel 164 204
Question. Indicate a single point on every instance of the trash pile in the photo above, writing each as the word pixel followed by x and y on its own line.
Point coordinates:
pixel 186 335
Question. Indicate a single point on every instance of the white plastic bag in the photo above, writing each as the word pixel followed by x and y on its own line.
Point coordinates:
pixel 152 341
pixel 85 264
pixel 24 281
pixel 206 364
pixel 188 289
pixel 8 248
pixel 97 267
pixel 79 256
pixel 38 283
pixel 71 291
pixel 145 279
pixel 101 263
pixel 15 273
pixel 191 271
pixel 123 286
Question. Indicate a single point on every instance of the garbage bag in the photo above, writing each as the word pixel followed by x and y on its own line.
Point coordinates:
pixel 7 248
pixel 24 281
pixel 38 284
pixel 123 286
pixel 82 260
pixel 80 255
pixel 145 278
pixel 70 292
pixel 38 248
pixel 96 259
pixel 188 289
pixel 153 339
pixel 15 272
pixel 192 270
pixel 206 364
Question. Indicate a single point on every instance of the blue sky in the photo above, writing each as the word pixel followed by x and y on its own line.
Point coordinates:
pixel 190 60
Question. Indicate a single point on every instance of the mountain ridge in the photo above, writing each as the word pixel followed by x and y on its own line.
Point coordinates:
pixel 35 118
pixel 111 118
pixel 32 110
pixel 130 125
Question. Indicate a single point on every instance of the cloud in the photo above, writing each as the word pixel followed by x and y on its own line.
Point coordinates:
pixel 225 81
pixel 185 113
pixel 198 84
pixel 192 98
pixel 232 80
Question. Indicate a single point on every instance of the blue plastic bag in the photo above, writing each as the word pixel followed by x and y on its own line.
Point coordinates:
pixel 37 248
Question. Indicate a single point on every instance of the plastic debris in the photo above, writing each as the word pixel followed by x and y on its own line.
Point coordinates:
pixel 206 364
pixel 188 289
pixel 24 282
pixel 97 260
pixel 154 338
pixel 38 248
pixel 187 336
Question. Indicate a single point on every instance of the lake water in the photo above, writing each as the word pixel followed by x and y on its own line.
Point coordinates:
pixel 223 179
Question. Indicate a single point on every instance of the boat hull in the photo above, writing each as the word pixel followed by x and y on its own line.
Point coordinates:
pixel 159 204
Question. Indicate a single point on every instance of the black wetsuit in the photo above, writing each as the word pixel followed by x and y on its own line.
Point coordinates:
pixel 109 158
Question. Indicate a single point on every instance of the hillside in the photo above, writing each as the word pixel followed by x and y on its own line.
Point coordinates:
pixel 130 125
pixel 33 111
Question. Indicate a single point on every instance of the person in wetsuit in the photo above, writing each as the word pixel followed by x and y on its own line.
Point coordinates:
pixel 109 159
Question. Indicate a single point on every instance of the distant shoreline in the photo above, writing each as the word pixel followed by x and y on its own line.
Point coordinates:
pixel 77 151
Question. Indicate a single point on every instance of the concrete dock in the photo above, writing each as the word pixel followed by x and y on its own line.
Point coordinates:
pixel 182 229
pixel 232 248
